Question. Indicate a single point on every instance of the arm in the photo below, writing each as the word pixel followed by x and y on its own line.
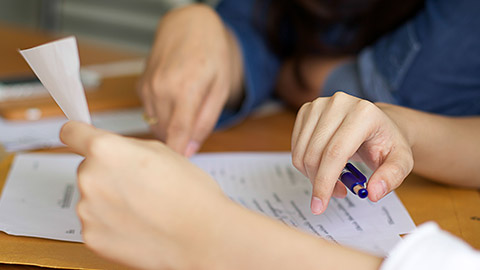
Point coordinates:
pixel 445 149
pixel 147 207
pixel 260 64
pixel 194 70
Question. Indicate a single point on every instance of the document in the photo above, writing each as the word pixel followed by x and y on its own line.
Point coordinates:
pixel 22 136
pixel 268 183
pixel 40 195
pixel 57 66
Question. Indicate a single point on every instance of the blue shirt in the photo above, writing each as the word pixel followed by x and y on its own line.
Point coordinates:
pixel 431 63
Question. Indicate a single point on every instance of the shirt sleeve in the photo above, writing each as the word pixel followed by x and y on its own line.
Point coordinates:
pixel 260 64
pixel 431 248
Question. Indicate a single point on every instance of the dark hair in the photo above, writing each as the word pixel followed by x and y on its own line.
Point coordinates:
pixel 299 28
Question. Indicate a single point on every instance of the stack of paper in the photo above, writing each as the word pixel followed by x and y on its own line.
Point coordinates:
pixel 40 195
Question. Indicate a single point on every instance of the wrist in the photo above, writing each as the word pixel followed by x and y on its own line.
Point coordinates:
pixel 403 118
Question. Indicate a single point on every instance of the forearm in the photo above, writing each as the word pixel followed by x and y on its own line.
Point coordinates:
pixel 445 149
pixel 247 240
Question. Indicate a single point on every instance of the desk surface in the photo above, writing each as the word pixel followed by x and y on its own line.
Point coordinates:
pixel 455 210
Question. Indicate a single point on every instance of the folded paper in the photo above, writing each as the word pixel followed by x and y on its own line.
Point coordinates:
pixel 57 66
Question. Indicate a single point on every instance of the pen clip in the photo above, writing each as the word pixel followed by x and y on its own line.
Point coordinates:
pixel 356 173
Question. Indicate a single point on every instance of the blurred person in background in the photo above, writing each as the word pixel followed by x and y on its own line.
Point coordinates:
pixel 211 68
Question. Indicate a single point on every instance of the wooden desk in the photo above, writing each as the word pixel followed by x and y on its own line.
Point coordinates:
pixel 112 93
pixel 455 210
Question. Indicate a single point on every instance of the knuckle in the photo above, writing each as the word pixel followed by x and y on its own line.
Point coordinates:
pixel 85 183
pixel 339 98
pixel 305 106
pixel 82 211
pixel 320 182
pixel 333 151
pixel 339 95
pixel 297 161
pixel 158 89
pixel 310 162
pixel 176 128
pixel 398 174
pixel 365 107
pixel 317 102
pixel 100 145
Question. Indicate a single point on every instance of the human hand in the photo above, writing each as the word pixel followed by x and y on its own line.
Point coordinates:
pixel 142 204
pixel 194 70
pixel 329 131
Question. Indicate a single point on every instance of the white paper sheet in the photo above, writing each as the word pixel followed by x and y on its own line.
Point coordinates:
pixel 40 184
pixel 27 135
pixel 40 196
pixel 57 66
pixel 268 183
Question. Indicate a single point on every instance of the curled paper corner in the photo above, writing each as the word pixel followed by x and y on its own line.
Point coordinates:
pixel 57 66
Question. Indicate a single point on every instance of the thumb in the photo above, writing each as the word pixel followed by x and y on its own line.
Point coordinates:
pixel 389 175
pixel 79 136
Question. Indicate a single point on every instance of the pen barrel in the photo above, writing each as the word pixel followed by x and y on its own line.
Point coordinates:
pixel 354 180
pixel 350 181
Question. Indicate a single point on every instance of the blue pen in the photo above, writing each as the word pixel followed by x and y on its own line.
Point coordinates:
pixel 354 180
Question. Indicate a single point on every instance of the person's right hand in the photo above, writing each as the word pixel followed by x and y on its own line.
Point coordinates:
pixel 142 204
pixel 329 131
pixel 193 71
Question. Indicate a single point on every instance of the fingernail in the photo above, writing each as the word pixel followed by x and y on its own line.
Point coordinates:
pixel 192 148
pixel 317 206
pixel 380 189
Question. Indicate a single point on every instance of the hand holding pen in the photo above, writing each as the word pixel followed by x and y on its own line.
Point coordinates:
pixel 330 131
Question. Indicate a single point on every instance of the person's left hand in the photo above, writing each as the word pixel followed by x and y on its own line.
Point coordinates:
pixel 141 203
pixel 330 131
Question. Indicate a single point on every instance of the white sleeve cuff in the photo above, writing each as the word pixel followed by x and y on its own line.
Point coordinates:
pixel 429 247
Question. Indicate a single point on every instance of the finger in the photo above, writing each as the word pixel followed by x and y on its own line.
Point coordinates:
pixel 157 104
pixel 298 124
pixel 343 144
pixel 143 91
pixel 339 191
pixel 162 112
pixel 78 136
pixel 390 174
pixel 80 171
pixel 332 117
pixel 208 116
pixel 184 115
pixel 311 116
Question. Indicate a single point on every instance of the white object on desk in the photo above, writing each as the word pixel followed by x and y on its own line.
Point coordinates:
pixel 37 187
pixel 40 196
pixel 57 66
pixel 28 135
pixel 90 75
pixel 33 88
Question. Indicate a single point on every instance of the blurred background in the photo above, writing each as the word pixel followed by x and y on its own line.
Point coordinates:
pixel 127 24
